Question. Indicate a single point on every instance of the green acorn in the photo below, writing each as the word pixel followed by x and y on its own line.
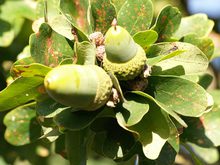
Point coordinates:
pixel 83 87
pixel 125 58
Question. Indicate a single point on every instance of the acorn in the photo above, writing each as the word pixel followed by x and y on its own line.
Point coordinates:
pixel 125 58
pixel 83 87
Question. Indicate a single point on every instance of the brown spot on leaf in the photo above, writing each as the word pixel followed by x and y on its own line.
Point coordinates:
pixel 17 72
pixel 27 66
pixel 81 14
pixel 38 34
pixel 46 55
pixel 163 19
pixel 41 89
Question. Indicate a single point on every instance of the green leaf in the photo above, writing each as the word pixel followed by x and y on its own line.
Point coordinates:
pixel 111 140
pixel 60 25
pixel 48 47
pixel 86 53
pixel 167 22
pixel 12 18
pixel 167 155
pixel 76 13
pixel 101 142
pixel 60 146
pixel 22 126
pixel 46 122
pixel 193 77
pixel 180 95
pixel 32 70
pixel 118 4
pixel 159 52
pixel 205 44
pixel 153 131
pixel 215 37
pixel 189 25
pixel 68 61
pixel 55 19
pixel 103 13
pixel 205 80
pixel 196 132
pixel 140 14
pixel 145 38
pixel 9 32
pixel 216 95
pixel 50 134
pixel 191 60
pixel 194 157
pixel 52 9
pixel 211 122
pixel 21 91
pixel 173 140
pixel 209 155
pixel 162 106
pixel 132 110
pixel 101 124
pixel 15 9
pixel 23 61
pixel 25 53
pixel 76 146
pixel 49 108
pixel 74 121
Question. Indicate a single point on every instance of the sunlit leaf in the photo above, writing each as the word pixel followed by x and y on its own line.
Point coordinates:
pixel 153 132
pixel 180 95
pixel 209 155
pixel 145 38
pixel 162 106
pixel 21 91
pixel 167 22
pixel 78 120
pixel 34 69
pixel 132 110
pixel 189 25
pixel 60 25
pixel 188 60
pixel 140 14
pixel 103 13
pixel 76 13
pixel 12 18
pixel 48 47
pixel 205 44
pixel 22 126
pixel 49 108
pixel 118 4
pixel 86 53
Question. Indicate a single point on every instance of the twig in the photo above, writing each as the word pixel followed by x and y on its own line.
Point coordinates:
pixel 45 11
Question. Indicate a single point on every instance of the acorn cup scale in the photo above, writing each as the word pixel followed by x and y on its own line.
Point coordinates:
pixel 83 87
pixel 125 58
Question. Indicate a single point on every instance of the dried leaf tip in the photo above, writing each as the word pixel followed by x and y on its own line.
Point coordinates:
pixel 114 23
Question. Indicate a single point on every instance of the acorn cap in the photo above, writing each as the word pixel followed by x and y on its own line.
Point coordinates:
pixel 119 45
pixel 128 70
pixel 83 87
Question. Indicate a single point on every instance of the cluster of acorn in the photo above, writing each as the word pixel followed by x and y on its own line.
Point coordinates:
pixel 88 87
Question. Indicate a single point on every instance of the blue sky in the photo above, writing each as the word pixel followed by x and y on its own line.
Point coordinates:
pixel 210 7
